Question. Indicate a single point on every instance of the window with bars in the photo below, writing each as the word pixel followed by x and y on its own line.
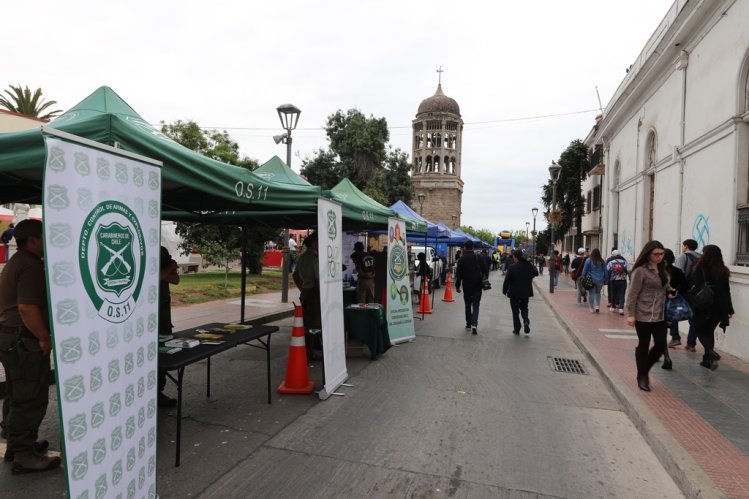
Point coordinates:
pixel 742 242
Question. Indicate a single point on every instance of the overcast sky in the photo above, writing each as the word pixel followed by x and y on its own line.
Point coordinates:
pixel 524 73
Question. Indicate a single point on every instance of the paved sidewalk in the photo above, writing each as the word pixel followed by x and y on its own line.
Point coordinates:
pixel 696 420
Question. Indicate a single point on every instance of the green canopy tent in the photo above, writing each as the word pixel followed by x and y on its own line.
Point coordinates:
pixel 192 184
pixel 275 170
pixel 361 212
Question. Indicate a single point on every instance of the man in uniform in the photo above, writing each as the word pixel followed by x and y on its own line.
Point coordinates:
pixel 365 274
pixel 307 278
pixel 25 345
pixel 167 275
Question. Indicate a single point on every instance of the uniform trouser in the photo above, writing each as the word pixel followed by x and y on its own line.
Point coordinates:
pixel 519 307
pixel 27 381
pixel 472 303
pixel 365 290
pixel 310 298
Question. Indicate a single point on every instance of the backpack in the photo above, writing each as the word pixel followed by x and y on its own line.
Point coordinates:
pixel 618 268
pixel 691 260
pixel 578 270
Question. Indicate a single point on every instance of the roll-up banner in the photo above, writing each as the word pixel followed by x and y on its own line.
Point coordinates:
pixel 102 211
pixel 329 238
pixel 399 310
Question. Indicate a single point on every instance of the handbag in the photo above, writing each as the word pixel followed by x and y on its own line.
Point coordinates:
pixel 587 281
pixel 702 298
pixel 678 309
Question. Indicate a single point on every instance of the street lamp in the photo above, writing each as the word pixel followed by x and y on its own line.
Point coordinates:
pixel 533 232
pixel 289 116
pixel 554 171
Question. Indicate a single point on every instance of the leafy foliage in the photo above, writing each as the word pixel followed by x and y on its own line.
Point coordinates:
pixel 22 101
pixel 359 151
pixel 210 143
pixel 570 201
pixel 219 244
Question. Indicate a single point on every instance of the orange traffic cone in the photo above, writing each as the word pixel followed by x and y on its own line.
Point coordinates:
pixel 297 378
pixel 448 296
pixel 425 307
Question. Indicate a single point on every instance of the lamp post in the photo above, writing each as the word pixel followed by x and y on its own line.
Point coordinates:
pixel 289 116
pixel 554 170
pixel 533 232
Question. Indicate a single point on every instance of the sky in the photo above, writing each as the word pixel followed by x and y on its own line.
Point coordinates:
pixel 523 73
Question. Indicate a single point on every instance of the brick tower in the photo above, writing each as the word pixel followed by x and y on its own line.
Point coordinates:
pixel 436 167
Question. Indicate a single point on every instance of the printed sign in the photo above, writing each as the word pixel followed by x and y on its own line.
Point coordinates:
pixel 331 294
pixel 399 312
pixel 101 226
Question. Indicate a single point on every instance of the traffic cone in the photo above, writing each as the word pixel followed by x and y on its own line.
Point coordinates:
pixel 425 307
pixel 448 296
pixel 297 378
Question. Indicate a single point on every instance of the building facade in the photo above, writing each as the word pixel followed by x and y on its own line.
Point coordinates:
pixel 436 165
pixel 674 146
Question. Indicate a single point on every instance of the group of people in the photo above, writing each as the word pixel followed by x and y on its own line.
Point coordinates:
pixel 471 278
pixel 655 277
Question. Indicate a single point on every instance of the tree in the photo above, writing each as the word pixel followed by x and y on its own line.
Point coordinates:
pixel 570 201
pixel 359 151
pixel 219 244
pixel 24 102
pixel 210 143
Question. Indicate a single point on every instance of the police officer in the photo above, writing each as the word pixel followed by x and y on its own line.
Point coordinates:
pixel 365 274
pixel 25 346
pixel 307 278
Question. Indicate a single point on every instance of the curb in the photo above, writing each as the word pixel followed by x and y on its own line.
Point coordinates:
pixel 686 473
pixel 270 317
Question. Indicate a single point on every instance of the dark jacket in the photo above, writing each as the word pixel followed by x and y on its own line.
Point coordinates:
pixel 470 272
pixel 519 280
pixel 678 280
pixel 722 304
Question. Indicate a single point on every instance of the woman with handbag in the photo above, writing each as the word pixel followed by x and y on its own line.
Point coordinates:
pixel 711 272
pixel 595 267
pixel 645 308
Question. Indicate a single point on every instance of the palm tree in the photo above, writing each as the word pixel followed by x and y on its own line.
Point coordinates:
pixel 23 102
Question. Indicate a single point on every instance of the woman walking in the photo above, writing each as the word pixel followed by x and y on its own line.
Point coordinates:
pixel 645 303
pixel 595 267
pixel 711 271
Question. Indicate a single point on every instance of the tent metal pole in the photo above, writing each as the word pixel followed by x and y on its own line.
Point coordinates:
pixel 244 272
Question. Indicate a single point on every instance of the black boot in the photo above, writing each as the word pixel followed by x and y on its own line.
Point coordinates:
pixel 643 382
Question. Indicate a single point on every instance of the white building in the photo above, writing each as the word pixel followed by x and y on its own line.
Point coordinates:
pixel 674 143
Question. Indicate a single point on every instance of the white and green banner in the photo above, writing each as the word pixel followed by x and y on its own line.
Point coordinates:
pixel 101 226
pixel 329 239
pixel 399 312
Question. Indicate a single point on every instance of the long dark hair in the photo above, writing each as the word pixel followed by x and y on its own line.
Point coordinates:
pixel 595 255
pixel 712 261
pixel 644 257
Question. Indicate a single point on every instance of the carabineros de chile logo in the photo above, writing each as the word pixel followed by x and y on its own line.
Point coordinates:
pixel 112 259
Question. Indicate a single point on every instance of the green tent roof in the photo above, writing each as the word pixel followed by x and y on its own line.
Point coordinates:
pixel 192 183
pixel 363 212
pixel 275 170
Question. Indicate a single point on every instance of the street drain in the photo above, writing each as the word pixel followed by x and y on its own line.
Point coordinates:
pixel 571 366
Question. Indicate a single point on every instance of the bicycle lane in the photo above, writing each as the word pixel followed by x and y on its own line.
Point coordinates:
pixel 696 420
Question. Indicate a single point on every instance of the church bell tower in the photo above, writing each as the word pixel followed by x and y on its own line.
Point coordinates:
pixel 435 171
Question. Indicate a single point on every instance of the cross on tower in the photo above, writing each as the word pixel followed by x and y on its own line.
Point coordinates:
pixel 439 75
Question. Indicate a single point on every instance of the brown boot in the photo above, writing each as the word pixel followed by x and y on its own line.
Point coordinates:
pixel 29 461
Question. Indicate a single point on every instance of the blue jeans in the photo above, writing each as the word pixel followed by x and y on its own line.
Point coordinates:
pixel 674 330
pixel 594 295
pixel 555 276
pixel 473 302
pixel 617 292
